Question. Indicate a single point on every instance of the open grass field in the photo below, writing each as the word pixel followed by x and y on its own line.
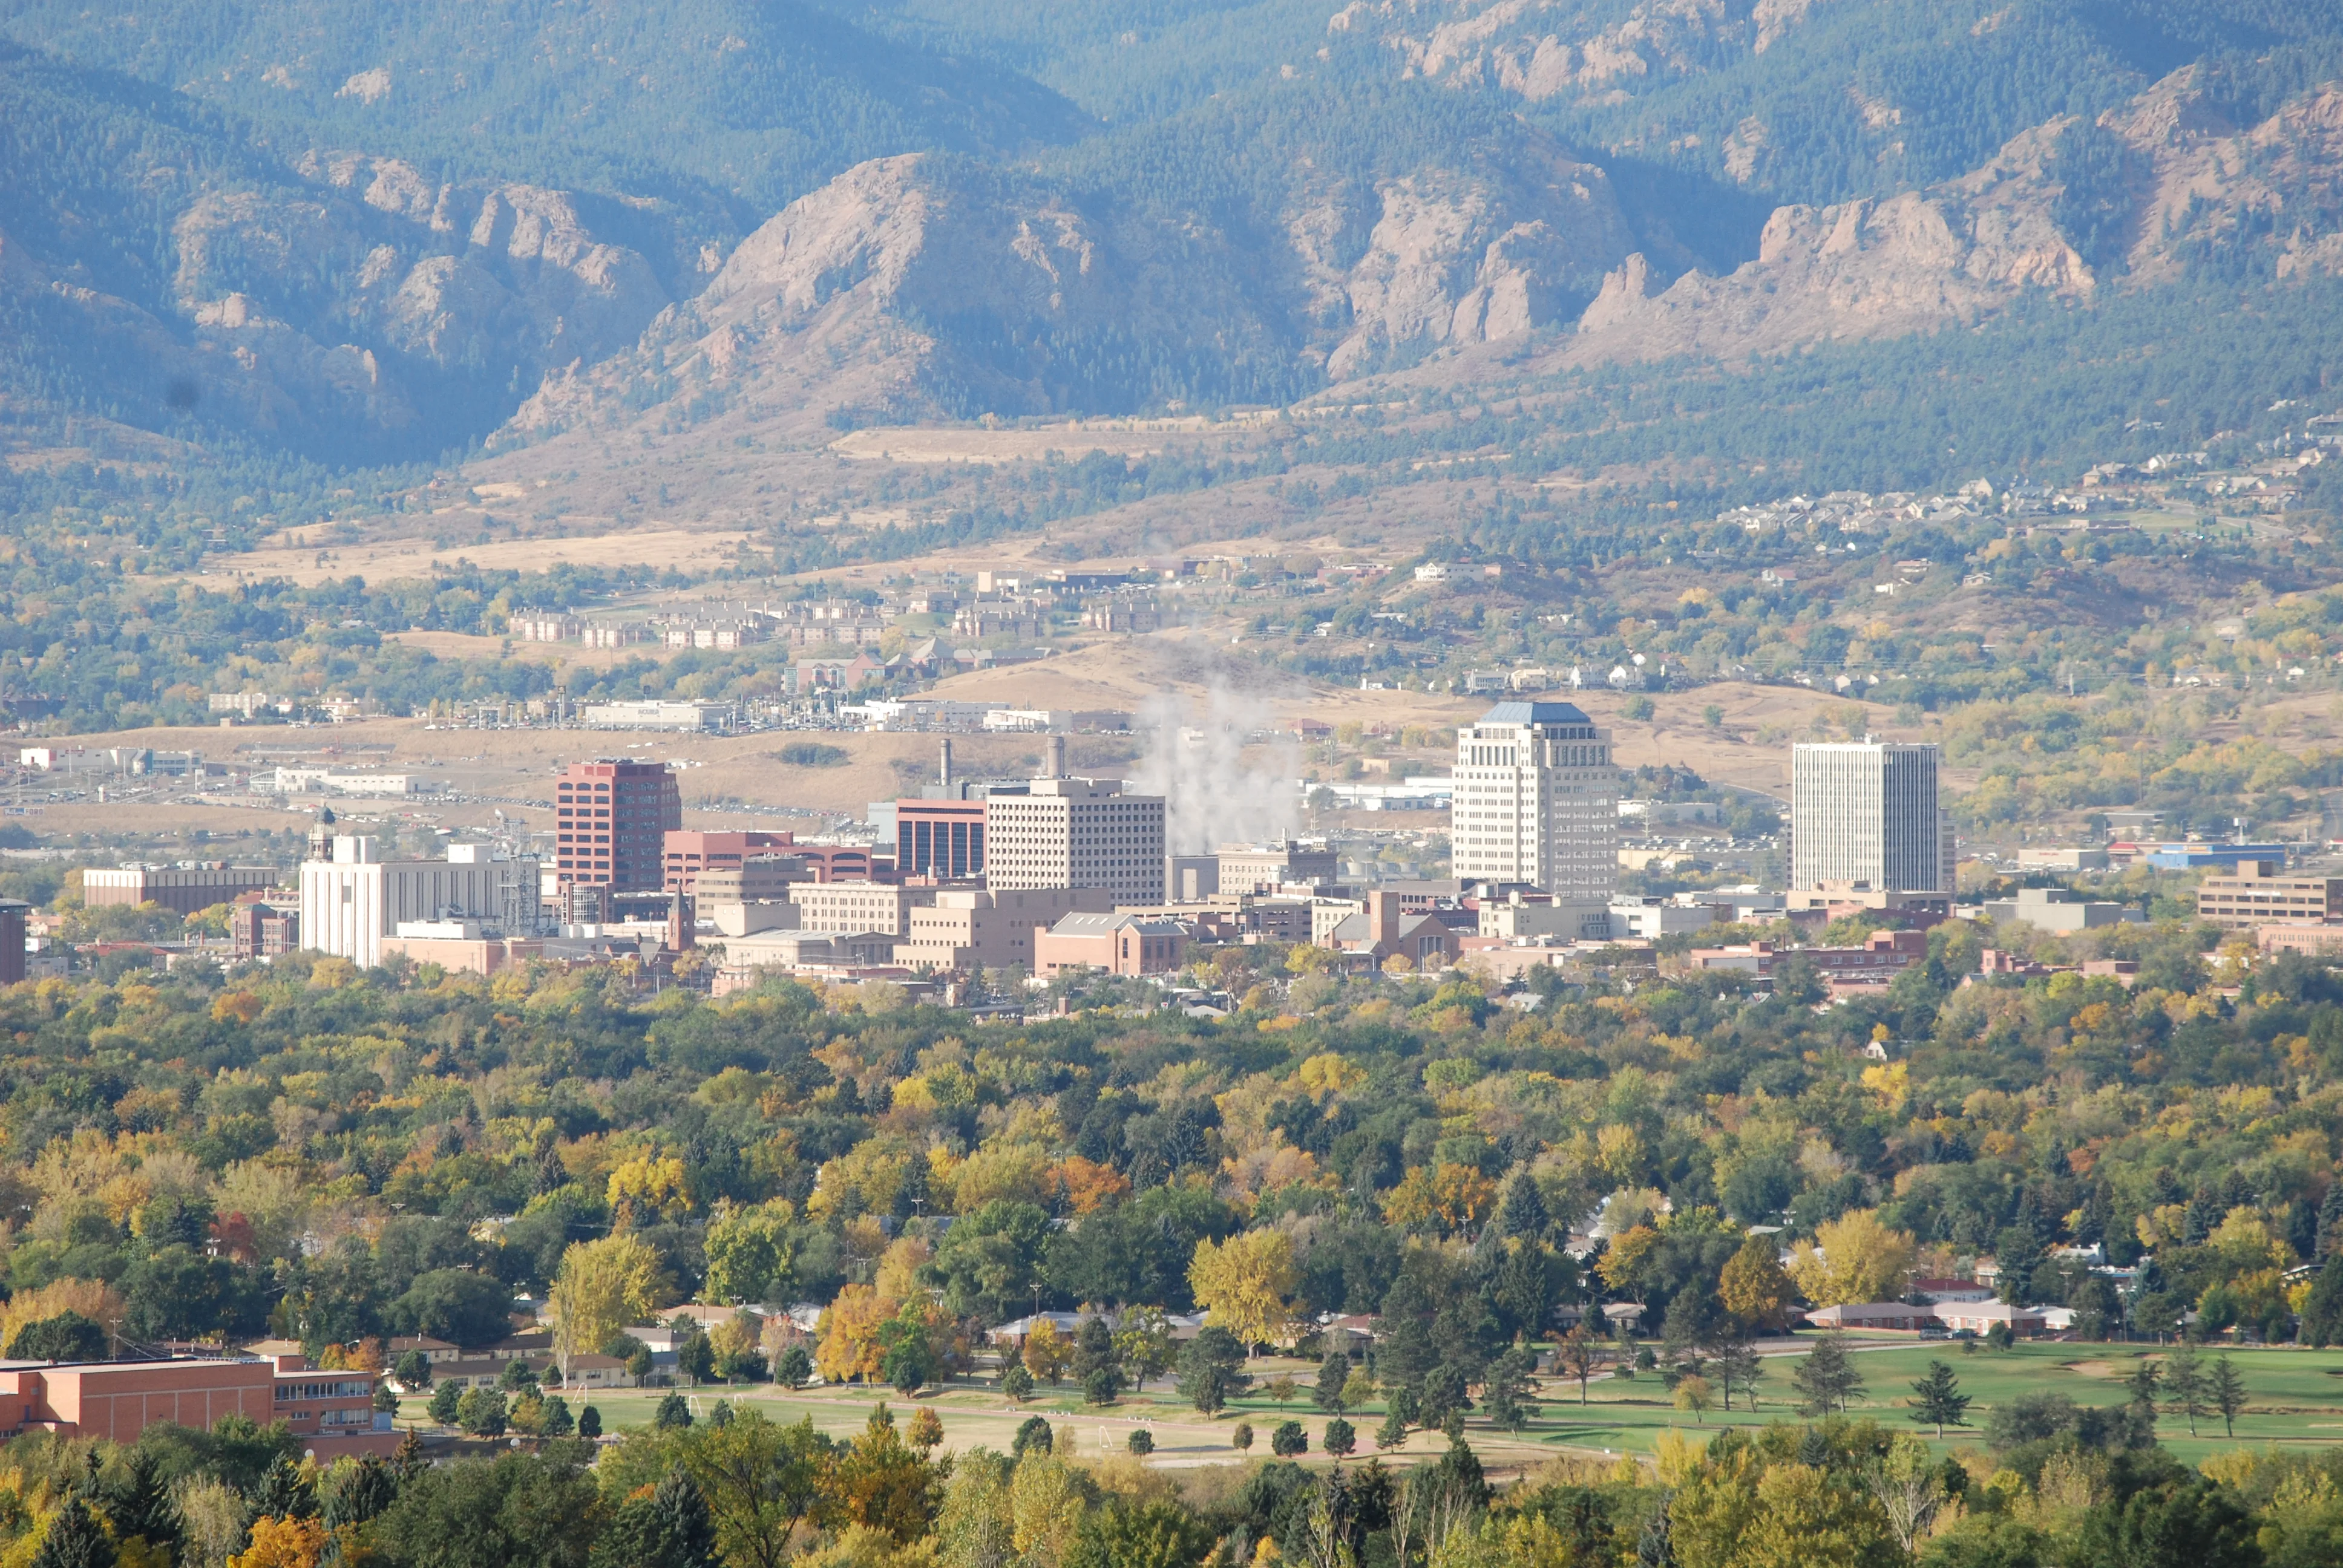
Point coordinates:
pixel 2295 1400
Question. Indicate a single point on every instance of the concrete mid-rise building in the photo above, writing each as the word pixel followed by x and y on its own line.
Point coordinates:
pixel 1867 813
pixel 858 907
pixel 351 900
pixel 968 928
pixel 2259 894
pixel 1076 833
pixel 1535 801
pixel 183 890
pixel 611 819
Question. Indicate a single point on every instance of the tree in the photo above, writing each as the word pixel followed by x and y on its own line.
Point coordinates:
pixel 1141 1442
pixel 1826 1377
pixel 751 1252
pixel 517 1509
pixel 1509 1392
pixel 2184 1382
pixel 487 1415
pixel 1580 1354
pixel 1017 1383
pixel 672 1414
pixel 2322 1311
pixel 1046 1351
pixel 1392 1434
pixel 141 1507
pixel 1340 1438
pixel 456 1304
pixel 2226 1388
pixel 1241 1437
pixel 1247 1283
pixel 1939 1401
pixel 413 1371
pixel 1145 1346
pixel 671 1528
pixel 66 1337
pixel 1694 1394
pixel 882 1482
pixel 1032 1434
pixel 762 1481
pixel 1281 1389
pixel 603 1286
pixel 1289 1440
pixel 992 1260
pixel 1208 1369
pixel 1333 1376
pixel 1096 1364
pixel 1739 1368
pixel 1753 1290
pixel 1854 1258
pixel 1522 1216
pixel 792 1366
pixel 590 1422
pixel 444 1401
pixel 695 1357
pixel 927 1429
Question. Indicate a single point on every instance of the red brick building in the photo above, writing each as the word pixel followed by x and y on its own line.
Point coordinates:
pixel 1115 944
pixel 611 819
pixel 332 1412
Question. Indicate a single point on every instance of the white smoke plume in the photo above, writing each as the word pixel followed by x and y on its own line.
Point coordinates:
pixel 1213 792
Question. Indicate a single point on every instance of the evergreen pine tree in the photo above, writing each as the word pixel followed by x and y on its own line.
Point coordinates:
pixel 1940 1402
pixel 1523 1214
pixel 2331 1221
pixel 1828 1378
pixel 74 1540
pixel 1332 1376
pixel 285 1493
pixel 142 1505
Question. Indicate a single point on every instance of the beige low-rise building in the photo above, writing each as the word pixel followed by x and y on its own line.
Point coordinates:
pixel 968 928
pixel 2259 894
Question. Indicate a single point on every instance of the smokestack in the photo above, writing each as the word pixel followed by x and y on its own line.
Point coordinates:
pixel 1057 757
pixel 946 781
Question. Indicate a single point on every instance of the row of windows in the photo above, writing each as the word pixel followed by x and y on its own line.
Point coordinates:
pixel 356 1388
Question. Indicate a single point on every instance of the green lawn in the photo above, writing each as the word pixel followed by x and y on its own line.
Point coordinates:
pixel 2296 1398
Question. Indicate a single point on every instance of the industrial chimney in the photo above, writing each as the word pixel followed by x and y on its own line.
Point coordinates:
pixel 946 780
pixel 1057 757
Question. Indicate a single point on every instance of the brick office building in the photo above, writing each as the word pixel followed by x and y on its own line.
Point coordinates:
pixel 332 1412
pixel 611 819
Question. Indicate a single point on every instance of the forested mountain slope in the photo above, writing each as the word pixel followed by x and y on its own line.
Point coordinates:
pixel 393 231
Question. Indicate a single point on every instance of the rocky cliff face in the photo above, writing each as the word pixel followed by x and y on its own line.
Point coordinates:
pixel 1541 49
pixel 915 287
pixel 1856 270
pixel 344 303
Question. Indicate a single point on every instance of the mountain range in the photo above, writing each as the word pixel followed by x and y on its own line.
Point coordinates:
pixel 377 233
